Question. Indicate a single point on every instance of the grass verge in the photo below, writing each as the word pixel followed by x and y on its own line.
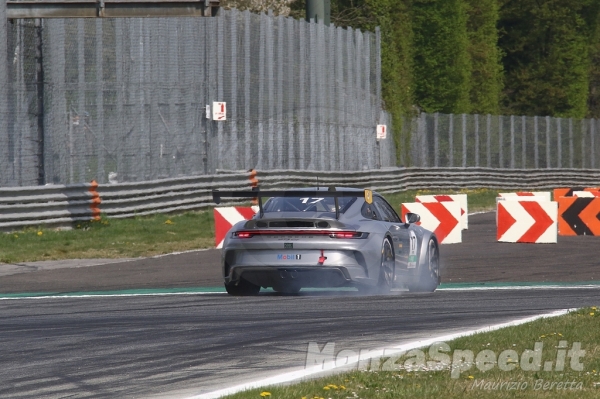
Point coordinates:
pixel 410 376
pixel 150 235
pixel 111 238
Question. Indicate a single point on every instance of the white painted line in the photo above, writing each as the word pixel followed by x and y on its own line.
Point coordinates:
pixel 375 354
pixel 108 295
pixel 523 287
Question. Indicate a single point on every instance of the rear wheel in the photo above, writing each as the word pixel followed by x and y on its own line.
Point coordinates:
pixel 242 288
pixel 387 270
pixel 429 271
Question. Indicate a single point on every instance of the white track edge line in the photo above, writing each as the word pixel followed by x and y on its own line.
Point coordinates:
pixel 299 374
pixel 109 295
pixel 523 287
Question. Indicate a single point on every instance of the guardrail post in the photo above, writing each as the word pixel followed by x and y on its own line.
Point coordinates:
pixel 95 202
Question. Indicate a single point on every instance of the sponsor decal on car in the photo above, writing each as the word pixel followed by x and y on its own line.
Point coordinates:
pixel 289 256
pixel 412 255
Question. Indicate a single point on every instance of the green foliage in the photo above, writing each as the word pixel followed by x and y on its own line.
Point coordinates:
pixel 546 46
pixel 394 19
pixel 442 66
pixel 486 73
pixel 594 91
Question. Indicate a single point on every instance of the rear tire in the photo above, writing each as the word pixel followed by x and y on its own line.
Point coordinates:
pixel 429 272
pixel 242 288
pixel 387 272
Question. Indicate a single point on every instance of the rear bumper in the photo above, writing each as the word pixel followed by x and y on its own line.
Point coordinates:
pixel 301 276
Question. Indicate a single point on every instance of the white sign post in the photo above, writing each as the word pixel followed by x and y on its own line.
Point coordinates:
pixel 219 111
pixel 381 132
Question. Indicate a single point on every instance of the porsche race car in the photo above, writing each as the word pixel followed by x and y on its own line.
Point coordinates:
pixel 327 237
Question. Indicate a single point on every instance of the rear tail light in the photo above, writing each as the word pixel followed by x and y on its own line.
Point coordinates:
pixel 347 234
pixel 242 234
pixel 332 234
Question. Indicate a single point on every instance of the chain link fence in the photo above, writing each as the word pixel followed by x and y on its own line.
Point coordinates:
pixel 514 142
pixel 125 99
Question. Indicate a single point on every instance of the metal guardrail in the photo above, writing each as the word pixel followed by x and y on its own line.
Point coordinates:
pixel 61 206
pixel 401 179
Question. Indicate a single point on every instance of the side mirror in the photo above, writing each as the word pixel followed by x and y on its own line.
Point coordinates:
pixel 412 218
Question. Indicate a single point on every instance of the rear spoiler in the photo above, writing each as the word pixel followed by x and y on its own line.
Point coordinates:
pixel 256 193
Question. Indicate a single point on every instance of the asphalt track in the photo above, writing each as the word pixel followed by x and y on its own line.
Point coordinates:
pixel 183 345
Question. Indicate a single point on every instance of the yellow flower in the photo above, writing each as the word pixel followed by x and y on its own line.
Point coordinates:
pixel 471 377
pixel 326 388
pixel 168 221
pixel 39 233
pixel 593 308
pixel 265 394
pixel 591 313
pixel 16 236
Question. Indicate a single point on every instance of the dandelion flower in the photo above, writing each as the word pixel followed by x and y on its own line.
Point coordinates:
pixel 39 233
pixel 16 236
pixel 471 377
pixel 265 394
pixel 591 313
pixel 168 221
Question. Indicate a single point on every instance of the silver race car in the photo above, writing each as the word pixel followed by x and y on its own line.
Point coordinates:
pixel 327 237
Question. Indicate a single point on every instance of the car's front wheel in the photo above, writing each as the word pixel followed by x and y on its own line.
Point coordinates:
pixel 429 271
pixel 242 288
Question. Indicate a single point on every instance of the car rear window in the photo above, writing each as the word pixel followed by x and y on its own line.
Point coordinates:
pixel 306 204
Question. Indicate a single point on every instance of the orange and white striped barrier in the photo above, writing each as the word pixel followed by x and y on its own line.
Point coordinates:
pixel 527 221
pixel 443 218
pixel 579 216
pixel 569 191
pixel 586 194
pixel 227 216
pixel 460 198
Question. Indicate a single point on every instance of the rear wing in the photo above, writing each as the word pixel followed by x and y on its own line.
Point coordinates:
pixel 256 193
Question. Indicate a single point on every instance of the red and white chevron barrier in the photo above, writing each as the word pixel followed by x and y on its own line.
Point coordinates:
pixel 527 221
pixel 526 196
pixel 443 218
pixel 226 217
pixel 460 198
